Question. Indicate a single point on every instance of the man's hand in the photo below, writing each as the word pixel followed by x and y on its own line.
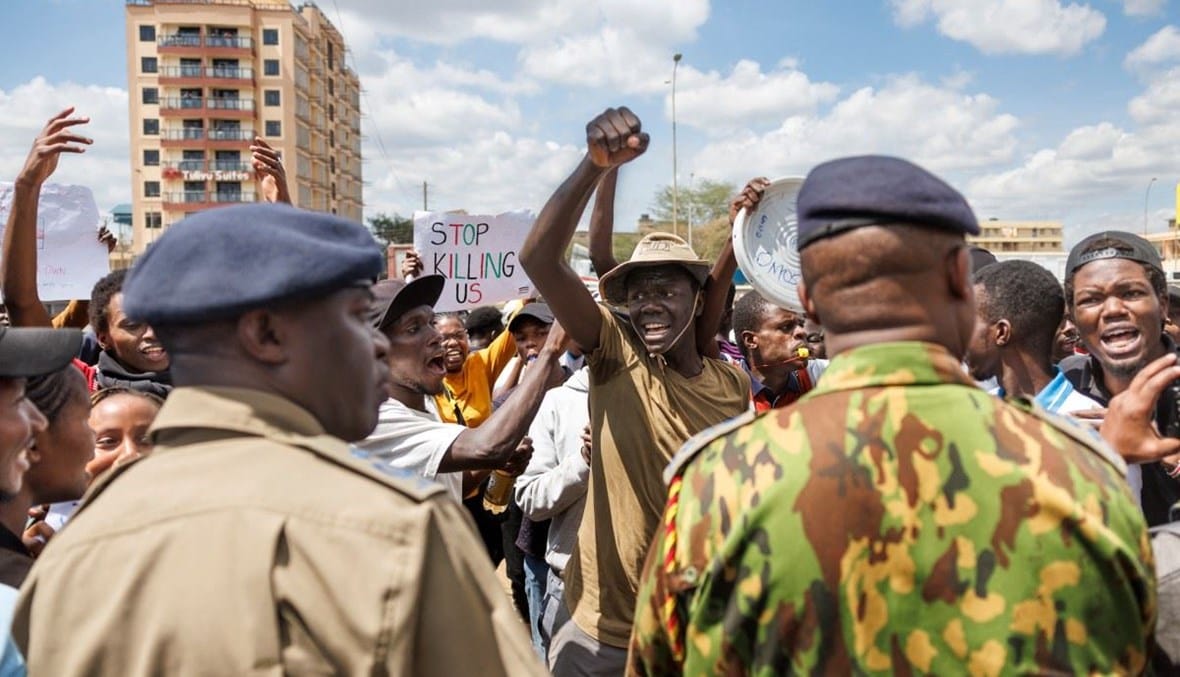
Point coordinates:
pixel 615 137
pixel 411 265
pixel 38 532
pixel 749 198
pixel 269 167
pixel 519 460
pixel 1128 425
pixel 587 444
pixel 556 341
pixel 108 239
pixel 56 138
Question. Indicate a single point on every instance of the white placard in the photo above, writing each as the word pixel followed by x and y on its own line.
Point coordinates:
pixel 476 253
pixel 70 259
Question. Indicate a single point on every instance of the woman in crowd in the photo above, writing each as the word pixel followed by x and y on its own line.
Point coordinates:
pixel 56 467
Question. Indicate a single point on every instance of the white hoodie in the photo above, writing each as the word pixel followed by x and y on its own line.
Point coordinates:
pixel 554 484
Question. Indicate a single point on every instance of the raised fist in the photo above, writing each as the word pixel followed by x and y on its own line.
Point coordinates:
pixel 615 137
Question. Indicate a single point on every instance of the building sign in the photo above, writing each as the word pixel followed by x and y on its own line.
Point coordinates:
pixel 216 176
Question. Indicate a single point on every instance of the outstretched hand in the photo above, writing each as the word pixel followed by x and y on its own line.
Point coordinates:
pixel 749 198
pixel 56 138
pixel 269 166
pixel 615 137
pixel 1128 426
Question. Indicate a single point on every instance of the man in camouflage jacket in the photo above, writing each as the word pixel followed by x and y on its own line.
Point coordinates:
pixel 897 519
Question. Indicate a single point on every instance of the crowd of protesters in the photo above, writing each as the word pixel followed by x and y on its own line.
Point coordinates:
pixel 232 461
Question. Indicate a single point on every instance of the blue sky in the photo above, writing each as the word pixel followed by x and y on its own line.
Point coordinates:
pixel 1033 108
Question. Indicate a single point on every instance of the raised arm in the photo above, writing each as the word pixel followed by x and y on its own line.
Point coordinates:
pixel 272 177
pixel 492 444
pixel 602 224
pixel 18 259
pixel 613 138
pixel 717 286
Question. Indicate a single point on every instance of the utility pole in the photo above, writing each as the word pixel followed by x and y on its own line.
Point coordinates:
pixel 424 196
pixel 675 193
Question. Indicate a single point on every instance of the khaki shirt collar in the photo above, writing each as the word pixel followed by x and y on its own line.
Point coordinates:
pixel 241 410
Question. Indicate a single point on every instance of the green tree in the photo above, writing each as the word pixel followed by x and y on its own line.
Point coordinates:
pixel 704 201
pixel 392 229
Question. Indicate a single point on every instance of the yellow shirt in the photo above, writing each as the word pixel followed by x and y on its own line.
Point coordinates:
pixel 471 386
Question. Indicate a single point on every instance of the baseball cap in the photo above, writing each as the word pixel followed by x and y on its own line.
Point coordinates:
pixel 395 297
pixel 1121 245
pixel 538 311
pixel 27 351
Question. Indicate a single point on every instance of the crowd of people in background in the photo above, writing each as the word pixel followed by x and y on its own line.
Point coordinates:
pixel 229 460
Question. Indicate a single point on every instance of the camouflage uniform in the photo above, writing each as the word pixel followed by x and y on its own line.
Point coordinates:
pixel 930 527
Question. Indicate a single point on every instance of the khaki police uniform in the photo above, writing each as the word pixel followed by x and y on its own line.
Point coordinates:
pixel 252 543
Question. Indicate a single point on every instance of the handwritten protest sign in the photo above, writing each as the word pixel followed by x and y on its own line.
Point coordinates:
pixel 70 259
pixel 477 255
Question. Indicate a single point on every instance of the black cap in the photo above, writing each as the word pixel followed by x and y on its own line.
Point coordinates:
pixel 26 352
pixel 395 297
pixel 1123 245
pixel 876 190
pixel 537 311
pixel 222 262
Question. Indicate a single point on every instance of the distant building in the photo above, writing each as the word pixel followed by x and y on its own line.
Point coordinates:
pixel 206 77
pixel 1039 237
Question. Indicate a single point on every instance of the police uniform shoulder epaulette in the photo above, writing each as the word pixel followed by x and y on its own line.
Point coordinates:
pixel 1084 435
pixel 699 441
pixel 413 485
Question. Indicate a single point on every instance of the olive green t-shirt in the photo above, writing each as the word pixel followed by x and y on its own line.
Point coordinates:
pixel 641 413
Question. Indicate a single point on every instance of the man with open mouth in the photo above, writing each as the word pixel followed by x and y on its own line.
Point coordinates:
pixel 410 434
pixel 650 390
pixel 1117 297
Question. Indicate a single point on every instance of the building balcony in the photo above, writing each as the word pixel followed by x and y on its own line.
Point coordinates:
pixel 209 76
pixel 206 138
pixel 191 107
pixel 193 200
pixel 205 45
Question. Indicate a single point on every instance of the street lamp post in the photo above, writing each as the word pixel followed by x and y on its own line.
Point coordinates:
pixel 1146 196
pixel 691 203
pixel 675 193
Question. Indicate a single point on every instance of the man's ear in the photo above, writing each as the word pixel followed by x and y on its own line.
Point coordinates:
pixel 958 273
pixel 1003 332
pixel 264 335
pixel 749 340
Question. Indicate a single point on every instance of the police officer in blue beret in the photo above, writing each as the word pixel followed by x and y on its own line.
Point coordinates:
pixel 895 485
pixel 253 540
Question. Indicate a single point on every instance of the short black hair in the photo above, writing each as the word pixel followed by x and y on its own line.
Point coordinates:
pixel 485 319
pixel 1026 295
pixel 748 314
pixel 1159 283
pixel 100 299
pixel 51 392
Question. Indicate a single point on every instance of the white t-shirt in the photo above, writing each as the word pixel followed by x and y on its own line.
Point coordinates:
pixel 415 441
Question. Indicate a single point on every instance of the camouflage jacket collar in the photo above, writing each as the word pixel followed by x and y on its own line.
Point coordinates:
pixel 901 363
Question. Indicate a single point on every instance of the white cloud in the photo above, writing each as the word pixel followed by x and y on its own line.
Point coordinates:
pixel 716 103
pixel 104 167
pixel 1093 165
pixel 941 128
pixel 1161 48
pixel 487 174
pixel 528 21
pixel 1007 26
pixel 1143 7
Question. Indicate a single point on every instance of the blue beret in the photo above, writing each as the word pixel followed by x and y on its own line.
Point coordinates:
pixel 873 190
pixel 222 262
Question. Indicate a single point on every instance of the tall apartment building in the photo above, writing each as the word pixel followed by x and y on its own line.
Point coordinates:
pixel 207 76
pixel 1032 237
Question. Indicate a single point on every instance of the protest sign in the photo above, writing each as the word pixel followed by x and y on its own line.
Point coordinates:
pixel 70 259
pixel 477 255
